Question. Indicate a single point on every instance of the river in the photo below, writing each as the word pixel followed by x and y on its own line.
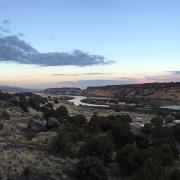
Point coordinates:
pixel 171 107
pixel 77 100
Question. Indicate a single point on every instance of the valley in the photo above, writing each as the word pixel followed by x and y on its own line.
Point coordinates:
pixel 44 136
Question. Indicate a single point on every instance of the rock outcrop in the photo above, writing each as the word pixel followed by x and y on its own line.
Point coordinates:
pixel 52 123
pixel 36 126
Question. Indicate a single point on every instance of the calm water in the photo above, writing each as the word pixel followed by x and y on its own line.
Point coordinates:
pixel 171 107
pixel 77 101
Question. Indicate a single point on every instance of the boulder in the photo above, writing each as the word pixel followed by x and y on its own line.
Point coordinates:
pixel 52 123
pixel 36 126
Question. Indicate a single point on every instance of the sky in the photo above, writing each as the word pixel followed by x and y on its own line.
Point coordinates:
pixel 137 41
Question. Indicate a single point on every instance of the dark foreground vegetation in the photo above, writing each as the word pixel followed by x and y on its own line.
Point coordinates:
pixel 103 146
pixel 104 141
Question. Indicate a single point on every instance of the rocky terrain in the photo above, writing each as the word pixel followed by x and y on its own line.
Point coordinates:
pixel 26 145
pixel 169 91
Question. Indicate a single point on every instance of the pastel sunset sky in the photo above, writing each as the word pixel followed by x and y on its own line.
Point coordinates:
pixel 110 42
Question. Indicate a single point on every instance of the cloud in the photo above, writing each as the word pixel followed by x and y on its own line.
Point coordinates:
pixel 73 74
pixel 14 49
pixel 142 78
pixel 121 81
pixel 125 79
pixel 77 57
pixel 6 21
pixel 97 73
pixel 79 74
pixel 4 30
pixel 171 76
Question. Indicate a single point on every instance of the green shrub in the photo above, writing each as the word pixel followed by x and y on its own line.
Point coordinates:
pixel 122 134
pixel 23 103
pixel 129 159
pixel 169 118
pixel 105 124
pixel 157 121
pixel 176 132
pixel 35 101
pixel 151 170
pixel 5 115
pixel 47 113
pixel 142 142
pixel 5 96
pixel 78 120
pixel 132 159
pixel 100 147
pixel 163 135
pixel 166 154
pixel 93 125
pixel 56 101
pixel 30 136
pixel 49 106
pixel 65 141
pixel 1 126
pixel 61 113
pixel 147 129
pixel 36 116
pixel 91 168
pixel 175 175
pixel 102 123
pixel 26 172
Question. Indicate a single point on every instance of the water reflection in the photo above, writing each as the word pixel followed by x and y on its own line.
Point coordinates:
pixel 171 107
pixel 77 100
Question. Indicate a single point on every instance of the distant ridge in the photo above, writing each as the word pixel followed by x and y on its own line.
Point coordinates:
pixel 164 91
pixel 16 89
pixel 169 91
pixel 63 91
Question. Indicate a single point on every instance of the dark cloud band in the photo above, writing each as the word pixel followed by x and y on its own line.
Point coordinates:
pixel 79 74
pixel 14 49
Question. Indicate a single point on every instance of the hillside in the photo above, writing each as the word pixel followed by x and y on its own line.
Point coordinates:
pixel 16 89
pixel 147 90
pixel 63 91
